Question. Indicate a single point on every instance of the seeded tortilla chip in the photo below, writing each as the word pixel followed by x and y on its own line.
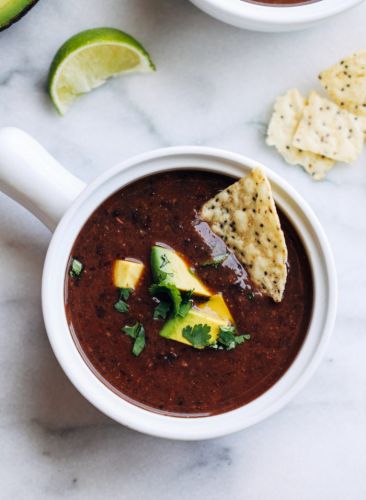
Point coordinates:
pixel 244 215
pixel 288 111
pixel 345 82
pixel 327 130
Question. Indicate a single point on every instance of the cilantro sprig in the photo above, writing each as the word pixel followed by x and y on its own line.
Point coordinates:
pixel 121 305
pixel 229 339
pixel 199 337
pixel 170 293
pixel 172 301
pixel 137 333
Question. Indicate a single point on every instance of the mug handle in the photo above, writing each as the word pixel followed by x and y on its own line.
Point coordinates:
pixel 33 178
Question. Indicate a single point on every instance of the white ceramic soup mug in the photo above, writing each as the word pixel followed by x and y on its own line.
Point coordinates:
pixel 274 18
pixel 64 203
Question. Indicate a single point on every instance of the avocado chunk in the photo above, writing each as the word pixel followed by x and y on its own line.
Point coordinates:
pixel 12 10
pixel 217 305
pixel 169 267
pixel 173 329
pixel 127 273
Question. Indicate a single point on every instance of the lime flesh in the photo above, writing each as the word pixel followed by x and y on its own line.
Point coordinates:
pixel 89 58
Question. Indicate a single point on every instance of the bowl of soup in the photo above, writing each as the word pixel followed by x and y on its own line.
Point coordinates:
pixel 274 15
pixel 151 311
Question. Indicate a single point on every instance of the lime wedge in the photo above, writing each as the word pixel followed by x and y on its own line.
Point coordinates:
pixel 88 59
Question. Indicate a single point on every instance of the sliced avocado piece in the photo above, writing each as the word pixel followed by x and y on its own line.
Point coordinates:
pixel 168 266
pixel 126 273
pixel 173 329
pixel 12 10
pixel 217 305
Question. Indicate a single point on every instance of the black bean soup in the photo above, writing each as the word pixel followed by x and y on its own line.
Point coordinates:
pixel 170 377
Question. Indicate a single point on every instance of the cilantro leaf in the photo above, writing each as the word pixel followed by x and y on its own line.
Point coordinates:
pixel 76 268
pixel 199 336
pixel 229 341
pixel 170 291
pixel 216 261
pixel 162 310
pixel 125 293
pixel 131 331
pixel 140 342
pixel 136 332
pixel 186 304
pixel 228 329
pixel 121 306
pixel 185 308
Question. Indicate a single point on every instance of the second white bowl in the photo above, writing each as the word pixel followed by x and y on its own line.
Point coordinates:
pixel 273 18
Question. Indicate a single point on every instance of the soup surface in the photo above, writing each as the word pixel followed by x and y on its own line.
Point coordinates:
pixel 168 376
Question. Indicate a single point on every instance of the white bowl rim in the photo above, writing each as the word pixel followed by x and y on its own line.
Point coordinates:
pixel 279 15
pixel 325 282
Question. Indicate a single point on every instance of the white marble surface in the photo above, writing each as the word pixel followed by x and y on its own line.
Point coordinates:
pixel 214 86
